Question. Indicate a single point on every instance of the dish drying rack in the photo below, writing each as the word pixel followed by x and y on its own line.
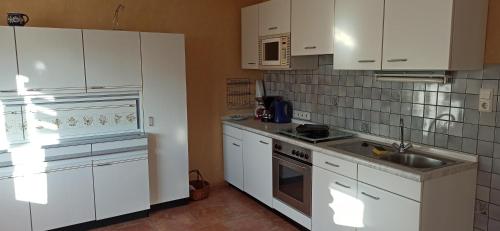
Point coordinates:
pixel 239 94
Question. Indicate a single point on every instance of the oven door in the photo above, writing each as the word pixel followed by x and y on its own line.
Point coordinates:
pixel 292 183
pixel 271 52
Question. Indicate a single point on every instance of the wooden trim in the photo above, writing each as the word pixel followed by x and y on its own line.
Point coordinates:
pixel 492 53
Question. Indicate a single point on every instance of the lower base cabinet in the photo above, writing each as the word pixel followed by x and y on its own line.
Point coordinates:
pixel 14 213
pixel 233 161
pixel 385 211
pixel 257 167
pixel 62 197
pixel 335 204
pixel 121 186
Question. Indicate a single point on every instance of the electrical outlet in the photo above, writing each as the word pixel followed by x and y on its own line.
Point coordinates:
pixel 301 115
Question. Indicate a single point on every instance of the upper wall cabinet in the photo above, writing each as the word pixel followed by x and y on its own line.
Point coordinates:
pixel 112 60
pixel 312 27
pixel 8 62
pixel 358 34
pixel 434 35
pixel 50 60
pixel 249 37
pixel 274 17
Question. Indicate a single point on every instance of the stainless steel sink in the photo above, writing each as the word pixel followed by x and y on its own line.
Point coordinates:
pixel 411 158
pixel 414 160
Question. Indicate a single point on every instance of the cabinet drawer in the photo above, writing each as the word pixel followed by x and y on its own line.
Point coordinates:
pixel 57 153
pixel 390 182
pixel 336 165
pixel 232 131
pixel 120 146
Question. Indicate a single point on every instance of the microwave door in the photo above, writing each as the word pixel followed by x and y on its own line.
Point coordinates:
pixel 271 52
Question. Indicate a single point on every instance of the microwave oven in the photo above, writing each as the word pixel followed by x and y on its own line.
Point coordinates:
pixel 275 51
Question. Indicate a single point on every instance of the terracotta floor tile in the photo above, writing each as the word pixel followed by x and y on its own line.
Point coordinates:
pixel 227 209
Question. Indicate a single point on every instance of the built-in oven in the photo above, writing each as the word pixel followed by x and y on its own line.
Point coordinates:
pixel 275 51
pixel 292 175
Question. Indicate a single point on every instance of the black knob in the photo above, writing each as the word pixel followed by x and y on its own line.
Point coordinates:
pixel 301 155
pixel 277 146
pixel 294 152
pixel 306 156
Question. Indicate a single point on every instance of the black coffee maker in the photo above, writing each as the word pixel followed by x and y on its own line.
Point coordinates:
pixel 268 114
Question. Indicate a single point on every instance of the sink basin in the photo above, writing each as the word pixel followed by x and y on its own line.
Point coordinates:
pixel 414 160
pixel 411 159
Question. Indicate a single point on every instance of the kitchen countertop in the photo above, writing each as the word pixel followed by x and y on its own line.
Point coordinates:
pixel 270 130
pixel 6 155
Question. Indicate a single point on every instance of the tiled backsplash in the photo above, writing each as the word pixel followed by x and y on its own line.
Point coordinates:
pixel 441 115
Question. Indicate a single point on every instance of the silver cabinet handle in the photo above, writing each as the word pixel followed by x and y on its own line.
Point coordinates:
pixel 237 145
pixel 97 87
pixel 8 91
pixel 273 28
pixel 310 48
pixel 342 185
pixel 251 63
pixel 366 61
pixel 104 164
pixel 397 60
pixel 370 196
pixel 262 142
pixel 332 164
pixel 34 89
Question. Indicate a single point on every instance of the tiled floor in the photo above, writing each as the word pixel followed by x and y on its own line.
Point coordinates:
pixel 225 209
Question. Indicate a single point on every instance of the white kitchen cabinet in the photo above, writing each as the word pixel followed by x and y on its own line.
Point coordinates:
pixel 8 61
pixel 112 60
pixel 121 186
pixel 50 60
pixel 14 213
pixel 334 202
pixel 62 196
pixel 358 34
pixel 274 17
pixel 164 70
pixel 434 35
pixel 233 161
pixel 385 211
pixel 250 37
pixel 312 27
pixel 257 167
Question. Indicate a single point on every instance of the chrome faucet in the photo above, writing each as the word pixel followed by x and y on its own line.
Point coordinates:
pixel 402 147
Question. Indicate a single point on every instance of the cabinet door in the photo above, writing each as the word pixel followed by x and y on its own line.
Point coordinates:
pixel 121 187
pixel 112 60
pixel 250 37
pixel 384 211
pixel 50 60
pixel 15 213
pixel 274 17
pixel 8 61
pixel 312 17
pixel 417 34
pixel 233 161
pixel 164 68
pixel 358 34
pixel 335 204
pixel 257 167
pixel 68 198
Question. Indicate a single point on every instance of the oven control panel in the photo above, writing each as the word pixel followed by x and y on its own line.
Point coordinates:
pixel 292 150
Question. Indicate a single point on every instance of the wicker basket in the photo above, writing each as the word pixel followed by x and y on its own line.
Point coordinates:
pixel 199 188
